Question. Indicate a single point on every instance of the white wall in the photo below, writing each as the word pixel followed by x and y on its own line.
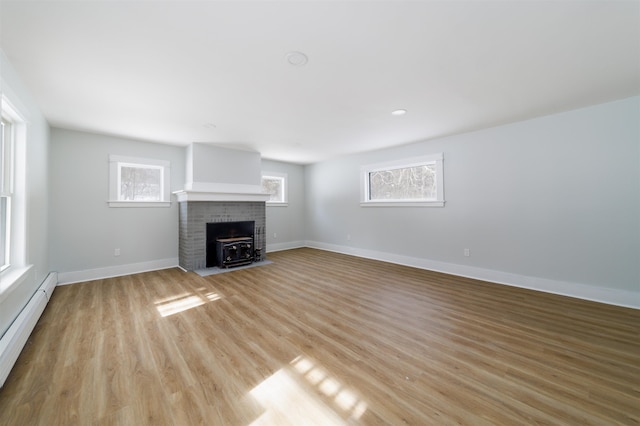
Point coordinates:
pixel 37 194
pixel 551 203
pixel 286 222
pixel 85 231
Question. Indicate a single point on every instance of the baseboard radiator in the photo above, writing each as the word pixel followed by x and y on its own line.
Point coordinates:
pixel 16 336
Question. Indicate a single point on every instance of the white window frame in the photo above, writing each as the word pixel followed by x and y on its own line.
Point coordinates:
pixel 285 188
pixel 16 271
pixel 6 185
pixel 116 162
pixel 365 171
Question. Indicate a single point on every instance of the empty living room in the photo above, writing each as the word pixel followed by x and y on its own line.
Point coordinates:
pixel 319 212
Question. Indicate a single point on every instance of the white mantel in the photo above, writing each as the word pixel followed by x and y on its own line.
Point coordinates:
pixel 185 195
pixel 206 191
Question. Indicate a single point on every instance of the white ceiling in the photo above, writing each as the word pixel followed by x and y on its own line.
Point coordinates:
pixel 164 70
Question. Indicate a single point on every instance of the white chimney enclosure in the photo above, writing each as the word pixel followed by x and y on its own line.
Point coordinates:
pixel 221 174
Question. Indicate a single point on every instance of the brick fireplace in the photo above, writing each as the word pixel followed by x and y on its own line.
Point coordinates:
pixel 222 185
pixel 193 219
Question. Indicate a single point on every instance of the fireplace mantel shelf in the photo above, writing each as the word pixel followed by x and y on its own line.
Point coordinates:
pixel 184 195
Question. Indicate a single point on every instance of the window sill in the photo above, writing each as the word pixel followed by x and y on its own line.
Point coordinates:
pixel 402 204
pixel 277 204
pixel 11 279
pixel 139 203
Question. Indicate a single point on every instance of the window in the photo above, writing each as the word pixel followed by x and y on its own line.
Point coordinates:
pixel 275 184
pixel 138 182
pixel 13 131
pixel 410 182
pixel 6 192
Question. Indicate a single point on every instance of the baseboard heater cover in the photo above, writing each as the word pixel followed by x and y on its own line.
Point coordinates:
pixel 49 284
pixel 15 338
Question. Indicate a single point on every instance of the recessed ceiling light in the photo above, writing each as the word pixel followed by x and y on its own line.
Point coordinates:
pixel 297 59
pixel 399 112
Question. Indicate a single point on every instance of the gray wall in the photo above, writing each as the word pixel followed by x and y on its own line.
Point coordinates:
pixel 37 195
pixel 556 198
pixel 85 230
pixel 212 164
pixel 287 222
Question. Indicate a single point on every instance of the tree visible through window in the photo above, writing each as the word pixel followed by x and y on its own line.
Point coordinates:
pixel 140 183
pixel 275 184
pixel 409 182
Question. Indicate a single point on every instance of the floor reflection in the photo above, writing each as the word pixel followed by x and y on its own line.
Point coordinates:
pixel 182 302
pixel 306 393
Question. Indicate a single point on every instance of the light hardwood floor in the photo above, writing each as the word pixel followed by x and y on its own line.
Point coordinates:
pixel 322 338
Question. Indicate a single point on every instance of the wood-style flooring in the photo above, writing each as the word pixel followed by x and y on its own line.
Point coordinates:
pixel 327 339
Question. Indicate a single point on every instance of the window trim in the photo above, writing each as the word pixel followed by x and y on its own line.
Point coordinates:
pixel 437 158
pixel 285 188
pixel 116 162
pixel 13 273
pixel 6 185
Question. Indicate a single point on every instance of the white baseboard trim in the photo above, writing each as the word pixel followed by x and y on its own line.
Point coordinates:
pixel 115 271
pixel 285 246
pixel 628 299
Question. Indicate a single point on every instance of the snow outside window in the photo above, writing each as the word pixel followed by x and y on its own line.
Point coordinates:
pixel 410 182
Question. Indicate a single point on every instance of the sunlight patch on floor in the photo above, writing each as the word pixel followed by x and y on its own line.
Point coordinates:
pixel 306 394
pixel 343 397
pixel 172 298
pixel 182 302
pixel 213 296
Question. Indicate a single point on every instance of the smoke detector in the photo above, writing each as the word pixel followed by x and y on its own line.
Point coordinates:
pixel 297 59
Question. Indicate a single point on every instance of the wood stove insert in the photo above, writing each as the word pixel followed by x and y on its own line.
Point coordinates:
pixel 234 251
pixel 230 244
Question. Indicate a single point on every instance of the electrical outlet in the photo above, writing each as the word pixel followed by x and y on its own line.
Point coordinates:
pixel 275 235
pixel 116 252
pixel 348 237
pixel 467 253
